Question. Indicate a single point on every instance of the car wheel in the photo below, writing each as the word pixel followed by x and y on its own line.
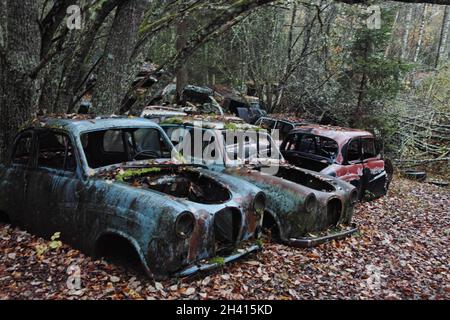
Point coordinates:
pixel 415 175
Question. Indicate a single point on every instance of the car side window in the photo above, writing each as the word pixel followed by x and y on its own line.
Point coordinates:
pixel 354 151
pixel 284 128
pixel 307 144
pixel 267 124
pixel 56 152
pixel 23 149
pixel 369 151
pixel 291 144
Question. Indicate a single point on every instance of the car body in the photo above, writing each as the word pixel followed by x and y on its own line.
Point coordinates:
pixel 160 113
pixel 284 126
pixel 347 154
pixel 233 102
pixel 299 202
pixel 102 183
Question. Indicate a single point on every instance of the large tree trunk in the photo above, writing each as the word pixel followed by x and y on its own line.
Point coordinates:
pixel 75 72
pixel 444 35
pixel 19 55
pixel 182 74
pixel 116 71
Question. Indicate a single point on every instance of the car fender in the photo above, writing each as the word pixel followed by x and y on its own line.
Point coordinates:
pixel 130 239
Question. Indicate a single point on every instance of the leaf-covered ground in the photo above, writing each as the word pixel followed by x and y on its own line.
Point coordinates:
pixel 401 252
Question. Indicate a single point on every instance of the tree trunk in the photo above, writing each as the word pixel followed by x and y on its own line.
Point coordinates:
pixel 421 32
pixel 74 72
pixel 19 54
pixel 391 40
pixel 116 71
pixel 444 35
pixel 405 40
pixel 182 74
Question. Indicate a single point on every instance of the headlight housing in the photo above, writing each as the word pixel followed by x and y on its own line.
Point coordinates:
pixel 310 203
pixel 185 224
pixel 259 203
pixel 353 197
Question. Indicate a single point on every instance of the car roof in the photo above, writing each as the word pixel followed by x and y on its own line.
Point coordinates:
pixel 289 120
pixel 339 134
pixel 85 124
pixel 210 122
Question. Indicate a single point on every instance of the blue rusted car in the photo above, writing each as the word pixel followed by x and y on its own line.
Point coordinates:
pixel 110 186
pixel 304 208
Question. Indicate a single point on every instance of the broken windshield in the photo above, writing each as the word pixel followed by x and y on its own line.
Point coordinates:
pixel 115 146
pixel 248 146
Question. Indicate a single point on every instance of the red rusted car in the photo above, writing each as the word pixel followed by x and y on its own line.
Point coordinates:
pixel 340 152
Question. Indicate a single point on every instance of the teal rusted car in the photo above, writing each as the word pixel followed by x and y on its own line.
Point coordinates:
pixel 111 186
pixel 304 208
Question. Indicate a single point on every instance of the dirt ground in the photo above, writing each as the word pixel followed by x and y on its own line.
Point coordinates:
pixel 400 252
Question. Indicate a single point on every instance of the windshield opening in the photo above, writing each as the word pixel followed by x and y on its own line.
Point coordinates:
pixel 115 146
pixel 240 146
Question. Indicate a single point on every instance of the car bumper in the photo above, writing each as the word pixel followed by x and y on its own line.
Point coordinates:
pixel 310 242
pixel 210 266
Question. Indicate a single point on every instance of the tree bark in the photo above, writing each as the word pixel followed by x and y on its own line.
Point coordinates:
pixel 444 35
pixel 443 2
pixel 182 74
pixel 117 71
pixel 405 41
pixel 421 32
pixel 19 54
pixel 72 83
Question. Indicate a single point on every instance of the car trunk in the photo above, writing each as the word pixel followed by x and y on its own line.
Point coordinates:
pixel 305 179
pixel 307 163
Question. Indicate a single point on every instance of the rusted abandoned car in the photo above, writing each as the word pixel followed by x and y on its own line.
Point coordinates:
pixel 304 208
pixel 111 184
pixel 347 154
pixel 283 126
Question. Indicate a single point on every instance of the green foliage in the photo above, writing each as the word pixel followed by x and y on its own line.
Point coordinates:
pixel 220 261
pixel 54 244
pixel 135 173
pixel 173 120
pixel 372 80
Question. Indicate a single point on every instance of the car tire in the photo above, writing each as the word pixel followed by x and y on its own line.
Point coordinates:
pixel 420 176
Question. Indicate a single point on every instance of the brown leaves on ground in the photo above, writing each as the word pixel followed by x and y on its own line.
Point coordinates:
pixel 401 252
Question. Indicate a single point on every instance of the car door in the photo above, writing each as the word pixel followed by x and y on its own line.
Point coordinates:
pixel 354 168
pixel 374 172
pixel 16 179
pixel 53 190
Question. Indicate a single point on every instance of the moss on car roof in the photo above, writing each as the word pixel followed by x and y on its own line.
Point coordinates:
pixel 211 122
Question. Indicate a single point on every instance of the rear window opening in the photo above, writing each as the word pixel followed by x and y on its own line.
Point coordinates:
pixel 116 146
pixel 312 145
pixel 305 179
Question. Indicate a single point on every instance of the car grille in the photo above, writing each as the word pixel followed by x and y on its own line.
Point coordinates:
pixel 227 227
pixel 334 212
